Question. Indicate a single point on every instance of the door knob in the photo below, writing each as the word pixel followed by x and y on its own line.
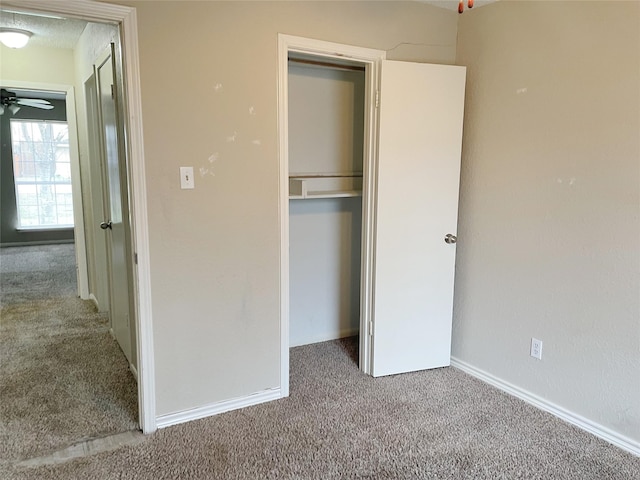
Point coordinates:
pixel 449 238
pixel 105 225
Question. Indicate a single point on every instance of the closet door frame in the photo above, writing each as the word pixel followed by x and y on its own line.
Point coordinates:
pixel 371 60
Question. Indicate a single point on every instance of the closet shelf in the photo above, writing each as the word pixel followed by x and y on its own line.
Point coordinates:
pixel 305 187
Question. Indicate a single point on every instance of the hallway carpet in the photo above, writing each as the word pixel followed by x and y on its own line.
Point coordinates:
pixel 341 424
pixel 63 378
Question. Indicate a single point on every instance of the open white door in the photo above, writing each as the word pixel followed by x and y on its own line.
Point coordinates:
pixel 114 225
pixel 420 137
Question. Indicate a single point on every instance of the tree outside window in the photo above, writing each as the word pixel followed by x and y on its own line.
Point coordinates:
pixel 42 173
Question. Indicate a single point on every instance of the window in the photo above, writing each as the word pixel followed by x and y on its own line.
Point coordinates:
pixel 42 173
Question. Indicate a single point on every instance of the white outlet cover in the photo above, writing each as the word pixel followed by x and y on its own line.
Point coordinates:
pixel 536 348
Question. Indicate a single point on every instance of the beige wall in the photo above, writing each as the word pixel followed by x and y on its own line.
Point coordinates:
pixel 37 64
pixel 550 199
pixel 215 250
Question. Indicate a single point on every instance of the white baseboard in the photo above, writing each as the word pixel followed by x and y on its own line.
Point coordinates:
pixel 579 421
pixel 93 299
pixel 345 332
pixel 163 421
pixel 134 371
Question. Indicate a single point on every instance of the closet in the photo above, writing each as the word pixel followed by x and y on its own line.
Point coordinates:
pixel 370 165
pixel 326 135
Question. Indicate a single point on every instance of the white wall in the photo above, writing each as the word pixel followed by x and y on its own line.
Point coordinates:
pixel 209 98
pixel 93 43
pixel 326 119
pixel 324 257
pixel 549 223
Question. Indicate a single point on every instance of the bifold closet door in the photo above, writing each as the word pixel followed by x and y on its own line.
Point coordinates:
pixel 420 137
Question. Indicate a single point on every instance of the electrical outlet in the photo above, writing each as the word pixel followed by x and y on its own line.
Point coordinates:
pixel 536 348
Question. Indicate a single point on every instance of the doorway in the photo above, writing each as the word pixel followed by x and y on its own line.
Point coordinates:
pixel 37 185
pixel 410 181
pixel 85 367
pixel 360 175
pixel 326 121
pixel 124 18
pixel 51 204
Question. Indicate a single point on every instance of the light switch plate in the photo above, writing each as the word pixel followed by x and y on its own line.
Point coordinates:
pixel 186 178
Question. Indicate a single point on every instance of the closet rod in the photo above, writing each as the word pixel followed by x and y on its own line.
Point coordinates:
pixel 327 175
pixel 326 64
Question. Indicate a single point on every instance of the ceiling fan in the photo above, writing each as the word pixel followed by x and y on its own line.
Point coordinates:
pixel 10 101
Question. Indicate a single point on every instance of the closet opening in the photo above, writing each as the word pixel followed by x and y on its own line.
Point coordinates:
pixel 326 144
pixel 327 136
pixel 394 168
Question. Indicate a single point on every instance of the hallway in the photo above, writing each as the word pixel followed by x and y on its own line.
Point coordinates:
pixel 63 378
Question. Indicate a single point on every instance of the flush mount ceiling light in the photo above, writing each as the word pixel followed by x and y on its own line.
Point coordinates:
pixel 14 38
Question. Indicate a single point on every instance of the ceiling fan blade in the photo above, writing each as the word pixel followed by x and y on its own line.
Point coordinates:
pixel 33 100
pixel 34 103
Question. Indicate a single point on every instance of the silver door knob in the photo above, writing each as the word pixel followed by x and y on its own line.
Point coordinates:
pixel 449 238
pixel 105 225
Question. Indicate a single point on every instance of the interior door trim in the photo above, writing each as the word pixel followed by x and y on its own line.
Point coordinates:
pixel 371 60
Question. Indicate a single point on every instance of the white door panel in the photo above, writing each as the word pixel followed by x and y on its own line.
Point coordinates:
pixel 116 240
pixel 420 134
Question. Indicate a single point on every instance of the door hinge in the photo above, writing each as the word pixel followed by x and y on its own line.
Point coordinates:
pixel 135 258
pixel 377 98
pixel 113 92
pixel 370 328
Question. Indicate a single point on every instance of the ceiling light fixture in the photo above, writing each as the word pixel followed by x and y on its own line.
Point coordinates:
pixel 14 38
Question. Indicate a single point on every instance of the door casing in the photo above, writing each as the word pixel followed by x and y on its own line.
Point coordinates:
pixel 371 60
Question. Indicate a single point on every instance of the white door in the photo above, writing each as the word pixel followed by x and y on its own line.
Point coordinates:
pixel 419 147
pixel 99 278
pixel 114 226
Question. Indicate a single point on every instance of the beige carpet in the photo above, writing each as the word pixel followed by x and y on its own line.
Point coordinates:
pixel 62 376
pixel 339 423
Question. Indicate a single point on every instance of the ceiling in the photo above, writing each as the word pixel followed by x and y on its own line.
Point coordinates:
pixel 57 32
pixel 48 31
pixel 453 4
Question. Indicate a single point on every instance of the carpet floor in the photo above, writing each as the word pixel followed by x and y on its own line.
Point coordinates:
pixel 341 424
pixel 63 378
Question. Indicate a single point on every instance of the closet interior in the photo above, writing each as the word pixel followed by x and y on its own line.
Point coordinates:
pixel 326 135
